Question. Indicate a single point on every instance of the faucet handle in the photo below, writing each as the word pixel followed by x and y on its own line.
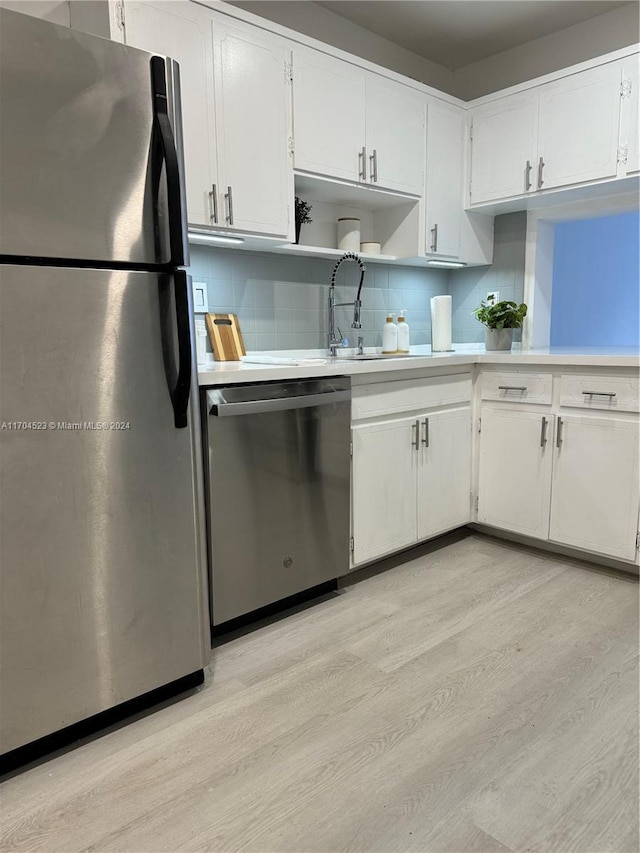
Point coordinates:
pixel 344 342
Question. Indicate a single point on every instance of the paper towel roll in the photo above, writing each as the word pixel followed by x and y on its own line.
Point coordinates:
pixel 440 323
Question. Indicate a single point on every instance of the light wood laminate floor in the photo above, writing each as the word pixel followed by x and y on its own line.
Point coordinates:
pixel 482 697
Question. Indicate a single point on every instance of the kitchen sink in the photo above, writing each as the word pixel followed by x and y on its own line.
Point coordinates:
pixel 375 357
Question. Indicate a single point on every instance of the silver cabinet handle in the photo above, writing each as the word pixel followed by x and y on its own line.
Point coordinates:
pixel 559 433
pixel 434 238
pixel 543 432
pixel 527 175
pixel 425 427
pixel 229 197
pixel 213 196
pixel 373 166
pixel 599 393
pixel 541 165
pixel 362 164
pixel 415 429
pixel 512 387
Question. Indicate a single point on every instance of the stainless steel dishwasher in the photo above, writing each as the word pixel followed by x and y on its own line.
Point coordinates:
pixel 278 490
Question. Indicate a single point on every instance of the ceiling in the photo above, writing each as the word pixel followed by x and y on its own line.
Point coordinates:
pixel 454 33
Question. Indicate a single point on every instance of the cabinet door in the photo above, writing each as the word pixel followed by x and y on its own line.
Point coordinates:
pixel 445 130
pixel 444 472
pixel 514 480
pixel 252 130
pixel 503 147
pixel 630 106
pixel 596 485
pixel 328 115
pixel 385 463
pixel 183 32
pixel 395 137
pixel 578 135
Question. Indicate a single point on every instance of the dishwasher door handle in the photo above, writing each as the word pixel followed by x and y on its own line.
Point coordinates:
pixel 283 404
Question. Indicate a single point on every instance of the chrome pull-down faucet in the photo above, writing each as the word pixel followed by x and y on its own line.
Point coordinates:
pixel 335 342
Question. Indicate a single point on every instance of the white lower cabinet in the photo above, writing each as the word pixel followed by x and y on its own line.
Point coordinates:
pixel 515 471
pixel 411 480
pixel 444 472
pixel 385 462
pixel 572 479
pixel 595 489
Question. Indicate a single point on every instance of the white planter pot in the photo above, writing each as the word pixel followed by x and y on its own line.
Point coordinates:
pixel 498 339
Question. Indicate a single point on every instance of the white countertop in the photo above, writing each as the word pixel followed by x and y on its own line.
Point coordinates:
pixel 318 364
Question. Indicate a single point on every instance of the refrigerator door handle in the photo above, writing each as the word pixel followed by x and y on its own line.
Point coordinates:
pixel 182 390
pixel 166 152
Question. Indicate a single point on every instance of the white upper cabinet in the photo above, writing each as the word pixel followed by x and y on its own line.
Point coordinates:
pixel 563 133
pixel 183 31
pixel 503 147
pixel 578 128
pixel 235 114
pixel 445 142
pixel 255 188
pixel 629 124
pixel 395 135
pixel 596 485
pixel 355 125
pixel 328 115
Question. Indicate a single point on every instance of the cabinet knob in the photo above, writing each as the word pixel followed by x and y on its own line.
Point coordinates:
pixel 541 165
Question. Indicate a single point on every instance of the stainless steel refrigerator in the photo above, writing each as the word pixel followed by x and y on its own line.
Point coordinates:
pixel 103 594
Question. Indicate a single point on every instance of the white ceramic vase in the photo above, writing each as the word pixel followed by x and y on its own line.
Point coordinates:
pixel 498 339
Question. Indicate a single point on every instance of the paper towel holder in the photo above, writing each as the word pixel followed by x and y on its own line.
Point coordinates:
pixel 437 350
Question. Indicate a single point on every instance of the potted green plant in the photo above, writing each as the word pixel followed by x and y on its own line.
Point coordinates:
pixel 303 209
pixel 500 319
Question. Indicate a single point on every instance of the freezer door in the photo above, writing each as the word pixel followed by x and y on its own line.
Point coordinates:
pixel 90 148
pixel 103 570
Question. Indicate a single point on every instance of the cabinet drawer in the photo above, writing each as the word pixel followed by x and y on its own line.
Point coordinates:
pixel 517 387
pixel 406 395
pixel 608 393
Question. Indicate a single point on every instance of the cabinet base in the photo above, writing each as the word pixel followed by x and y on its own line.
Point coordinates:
pixel 554 548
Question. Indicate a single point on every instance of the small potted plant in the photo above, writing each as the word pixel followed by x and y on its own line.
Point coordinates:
pixel 303 209
pixel 500 318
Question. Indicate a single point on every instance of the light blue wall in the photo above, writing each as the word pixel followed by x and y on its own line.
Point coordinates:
pixel 596 282
pixel 281 301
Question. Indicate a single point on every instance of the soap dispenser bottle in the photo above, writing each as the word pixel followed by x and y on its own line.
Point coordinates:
pixel 389 336
pixel 403 333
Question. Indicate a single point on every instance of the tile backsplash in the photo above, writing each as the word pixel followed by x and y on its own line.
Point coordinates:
pixel 281 301
pixel 468 287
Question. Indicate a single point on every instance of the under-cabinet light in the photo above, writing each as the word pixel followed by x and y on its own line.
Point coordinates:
pixel 202 238
pixel 449 264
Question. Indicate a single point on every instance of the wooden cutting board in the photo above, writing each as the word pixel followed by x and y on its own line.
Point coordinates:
pixel 225 336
